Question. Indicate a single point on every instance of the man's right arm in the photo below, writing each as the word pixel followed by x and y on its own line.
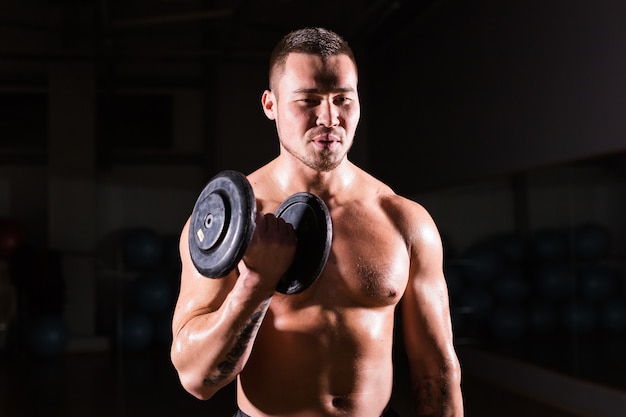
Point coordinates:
pixel 216 320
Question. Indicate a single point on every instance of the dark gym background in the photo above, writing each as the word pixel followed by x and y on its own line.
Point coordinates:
pixel 504 119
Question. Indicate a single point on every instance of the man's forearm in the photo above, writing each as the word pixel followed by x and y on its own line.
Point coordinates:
pixel 247 333
pixel 438 397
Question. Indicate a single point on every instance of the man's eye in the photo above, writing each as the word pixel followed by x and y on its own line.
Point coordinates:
pixel 342 100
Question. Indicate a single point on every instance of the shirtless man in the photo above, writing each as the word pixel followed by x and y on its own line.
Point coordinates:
pixel 328 350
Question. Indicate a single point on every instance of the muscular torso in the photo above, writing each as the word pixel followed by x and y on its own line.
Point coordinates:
pixel 327 351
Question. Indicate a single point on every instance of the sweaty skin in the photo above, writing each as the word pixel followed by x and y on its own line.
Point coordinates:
pixel 328 350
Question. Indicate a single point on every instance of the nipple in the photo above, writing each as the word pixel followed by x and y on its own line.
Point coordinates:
pixel 341 403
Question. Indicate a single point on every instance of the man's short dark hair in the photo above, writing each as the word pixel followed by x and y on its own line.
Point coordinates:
pixel 315 41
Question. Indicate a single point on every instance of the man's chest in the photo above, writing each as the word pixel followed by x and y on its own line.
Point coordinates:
pixel 368 262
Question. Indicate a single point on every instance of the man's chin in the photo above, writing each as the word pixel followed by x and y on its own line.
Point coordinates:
pixel 324 165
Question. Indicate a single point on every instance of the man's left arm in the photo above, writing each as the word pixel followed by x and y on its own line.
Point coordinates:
pixel 427 329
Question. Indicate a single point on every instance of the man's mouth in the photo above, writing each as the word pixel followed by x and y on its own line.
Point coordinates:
pixel 327 139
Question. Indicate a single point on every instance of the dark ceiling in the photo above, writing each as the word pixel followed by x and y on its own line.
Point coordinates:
pixel 189 30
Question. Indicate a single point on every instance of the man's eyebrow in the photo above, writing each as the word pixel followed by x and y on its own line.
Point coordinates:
pixel 323 90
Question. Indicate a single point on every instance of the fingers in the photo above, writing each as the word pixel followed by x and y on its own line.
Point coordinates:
pixel 272 248
pixel 269 224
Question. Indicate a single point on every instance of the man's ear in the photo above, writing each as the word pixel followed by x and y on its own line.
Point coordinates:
pixel 268 101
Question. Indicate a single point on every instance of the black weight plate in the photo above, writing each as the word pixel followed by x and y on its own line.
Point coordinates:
pixel 310 218
pixel 222 224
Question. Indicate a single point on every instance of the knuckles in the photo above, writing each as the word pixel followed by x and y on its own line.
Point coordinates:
pixel 271 230
pixel 273 246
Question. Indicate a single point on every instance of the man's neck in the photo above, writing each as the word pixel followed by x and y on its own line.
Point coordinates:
pixel 294 177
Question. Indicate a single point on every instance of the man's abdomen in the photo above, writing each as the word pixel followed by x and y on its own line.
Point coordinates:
pixel 315 362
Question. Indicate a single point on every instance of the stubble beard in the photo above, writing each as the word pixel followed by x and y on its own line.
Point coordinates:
pixel 323 161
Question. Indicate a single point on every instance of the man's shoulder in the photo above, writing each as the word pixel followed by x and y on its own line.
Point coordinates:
pixel 384 195
pixel 406 212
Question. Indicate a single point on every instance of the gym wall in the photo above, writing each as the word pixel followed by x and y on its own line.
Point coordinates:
pixel 484 88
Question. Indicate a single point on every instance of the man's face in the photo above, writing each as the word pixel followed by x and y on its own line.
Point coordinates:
pixel 316 108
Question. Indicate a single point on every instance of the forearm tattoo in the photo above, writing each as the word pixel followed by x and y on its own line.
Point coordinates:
pixel 227 366
pixel 432 397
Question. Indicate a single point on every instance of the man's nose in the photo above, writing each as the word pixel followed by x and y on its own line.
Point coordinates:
pixel 328 114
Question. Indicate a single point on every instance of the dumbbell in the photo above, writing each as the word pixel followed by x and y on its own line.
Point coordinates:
pixel 224 219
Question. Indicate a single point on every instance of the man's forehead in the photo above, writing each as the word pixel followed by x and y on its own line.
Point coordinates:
pixel 296 59
pixel 337 72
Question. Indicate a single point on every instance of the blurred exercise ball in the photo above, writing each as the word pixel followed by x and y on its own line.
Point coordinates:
pixel 591 241
pixel 549 244
pixel 511 286
pixel 142 248
pixel 163 329
pixel 171 253
pixel 543 318
pixel 579 317
pixel 46 336
pixel 554 280
pixel 481 264
pixel 508 322
pixel 596 282
pixel 511 246
pixel 137 331
pixel 613 316
pixel 475 301
pixel 152 293
pixel 11 236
